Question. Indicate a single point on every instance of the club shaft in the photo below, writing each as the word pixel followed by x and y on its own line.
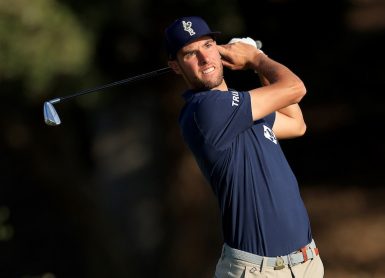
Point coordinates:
pixel 116 83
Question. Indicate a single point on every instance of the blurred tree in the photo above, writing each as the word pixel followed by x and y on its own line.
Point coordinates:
pixel 39 40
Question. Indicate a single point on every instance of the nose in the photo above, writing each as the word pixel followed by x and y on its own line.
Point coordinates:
pixel 203 57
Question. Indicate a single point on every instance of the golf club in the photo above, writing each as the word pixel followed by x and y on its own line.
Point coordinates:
pixel 52 118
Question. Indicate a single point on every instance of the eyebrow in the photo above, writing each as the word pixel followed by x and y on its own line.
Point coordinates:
pixel 205 42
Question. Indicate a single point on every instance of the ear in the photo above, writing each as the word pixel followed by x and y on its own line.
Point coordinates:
pixel 174 66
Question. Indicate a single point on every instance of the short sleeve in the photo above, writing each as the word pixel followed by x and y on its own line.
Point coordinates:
pixel 221 116
pixel 270 119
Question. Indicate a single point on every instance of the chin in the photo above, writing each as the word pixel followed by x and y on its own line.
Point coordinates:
pixel 209 84
pixel 212 84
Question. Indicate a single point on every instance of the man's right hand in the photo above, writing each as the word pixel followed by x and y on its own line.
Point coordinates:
pixel 239 55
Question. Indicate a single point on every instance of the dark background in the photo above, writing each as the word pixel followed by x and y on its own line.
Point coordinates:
pixel 114 192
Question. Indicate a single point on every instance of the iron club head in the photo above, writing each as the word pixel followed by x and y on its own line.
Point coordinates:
pixel 50 115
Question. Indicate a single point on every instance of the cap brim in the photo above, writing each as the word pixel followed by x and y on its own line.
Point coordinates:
pixel 211 34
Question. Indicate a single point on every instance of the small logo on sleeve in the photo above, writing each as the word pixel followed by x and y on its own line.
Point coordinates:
pixel 187 26
pixel 269 134
pixel 235 101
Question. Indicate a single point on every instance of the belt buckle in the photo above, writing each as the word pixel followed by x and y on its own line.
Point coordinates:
pixel 279 264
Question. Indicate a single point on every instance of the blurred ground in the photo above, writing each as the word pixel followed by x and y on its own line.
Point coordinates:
pixel 349 228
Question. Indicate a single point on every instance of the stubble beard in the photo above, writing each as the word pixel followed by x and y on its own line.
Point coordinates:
pixel 202 84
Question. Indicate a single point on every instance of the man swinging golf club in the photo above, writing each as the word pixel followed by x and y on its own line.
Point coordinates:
pixel 234 136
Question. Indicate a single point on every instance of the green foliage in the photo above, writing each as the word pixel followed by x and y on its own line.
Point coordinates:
pixel 39 40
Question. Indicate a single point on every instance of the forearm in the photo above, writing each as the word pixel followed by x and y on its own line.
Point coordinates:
pixel 292 111
pixel 289 120
pixel 271 72
pixel 264 81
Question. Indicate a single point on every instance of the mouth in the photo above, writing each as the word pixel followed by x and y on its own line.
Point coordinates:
pixel 208 70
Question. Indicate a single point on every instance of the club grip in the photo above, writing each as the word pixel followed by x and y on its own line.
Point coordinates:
pixel 258 44
pixel 248 40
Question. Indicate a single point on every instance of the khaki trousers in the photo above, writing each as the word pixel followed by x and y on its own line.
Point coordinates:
pixel 228 267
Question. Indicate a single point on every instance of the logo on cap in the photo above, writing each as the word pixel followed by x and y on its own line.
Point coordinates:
pixel 187 27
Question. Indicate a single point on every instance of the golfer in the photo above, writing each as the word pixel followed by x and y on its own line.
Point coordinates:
pixel 234 136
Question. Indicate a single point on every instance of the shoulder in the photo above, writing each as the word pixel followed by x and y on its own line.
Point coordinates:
pixel 221 99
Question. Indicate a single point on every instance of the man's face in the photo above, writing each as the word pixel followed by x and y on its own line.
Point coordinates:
pixel 200 64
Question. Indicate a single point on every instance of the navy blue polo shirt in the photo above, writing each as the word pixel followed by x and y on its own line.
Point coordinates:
pixel 258 195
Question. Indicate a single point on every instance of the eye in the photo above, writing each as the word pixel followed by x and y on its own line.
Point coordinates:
pixel 189 54
pixel 209 44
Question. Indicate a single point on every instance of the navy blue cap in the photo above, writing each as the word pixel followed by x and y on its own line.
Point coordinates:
pixel 184 30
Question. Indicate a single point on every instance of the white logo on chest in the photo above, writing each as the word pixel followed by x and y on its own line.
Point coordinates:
pixel 235 98
pixel 187 26
pixel 269 134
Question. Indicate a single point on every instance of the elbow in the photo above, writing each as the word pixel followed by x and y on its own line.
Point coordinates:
pixel 302 129
pixel 298 131
pixel 299 91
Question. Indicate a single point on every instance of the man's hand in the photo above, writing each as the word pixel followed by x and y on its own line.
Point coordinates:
pixel 238 55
